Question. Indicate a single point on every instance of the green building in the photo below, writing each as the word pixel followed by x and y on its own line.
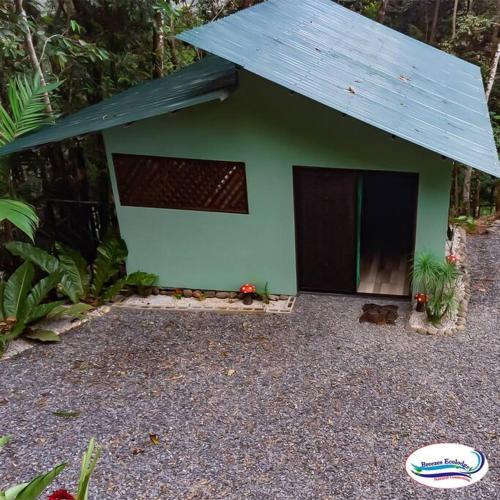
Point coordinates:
pixel 312 150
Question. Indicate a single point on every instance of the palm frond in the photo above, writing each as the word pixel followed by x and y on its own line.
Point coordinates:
pixel 27 106
pixel 20 214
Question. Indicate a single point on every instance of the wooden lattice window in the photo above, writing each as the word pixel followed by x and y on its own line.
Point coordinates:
pixel 180 183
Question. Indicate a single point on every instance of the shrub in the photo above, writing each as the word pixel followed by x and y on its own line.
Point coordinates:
pixel 437 279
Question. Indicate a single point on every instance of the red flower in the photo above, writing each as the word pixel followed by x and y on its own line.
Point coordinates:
pixel 61 495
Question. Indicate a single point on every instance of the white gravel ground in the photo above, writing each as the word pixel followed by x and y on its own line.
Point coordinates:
pixel 311 405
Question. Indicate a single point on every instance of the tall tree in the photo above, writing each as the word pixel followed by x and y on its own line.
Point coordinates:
pixel 435 19
pixel 454 20
pixel 30 48
pixel 382 10
pixel 158 44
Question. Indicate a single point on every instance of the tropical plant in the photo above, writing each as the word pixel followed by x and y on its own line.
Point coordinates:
pixel 22 304
pixel 94 284
pixel 33 489
pixel 142 282
pixel 465 221
pixel 437 279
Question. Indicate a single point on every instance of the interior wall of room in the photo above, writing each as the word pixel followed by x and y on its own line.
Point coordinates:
pixel 270 129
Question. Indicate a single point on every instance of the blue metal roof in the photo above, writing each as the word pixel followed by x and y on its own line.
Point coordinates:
pixel 209 79
pixel 364 69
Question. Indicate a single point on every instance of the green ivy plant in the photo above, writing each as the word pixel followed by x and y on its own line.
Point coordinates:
pixel 438 280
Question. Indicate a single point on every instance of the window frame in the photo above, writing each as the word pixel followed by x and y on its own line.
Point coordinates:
pixel 240 165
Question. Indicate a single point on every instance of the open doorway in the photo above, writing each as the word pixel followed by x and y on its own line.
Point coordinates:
pixel 387 213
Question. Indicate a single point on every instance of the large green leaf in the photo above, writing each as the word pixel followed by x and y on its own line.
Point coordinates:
pixel 43 310
pixel 73 283
pixel 43 335
pixel 89 462
pixel 76 311
pixel 12 492
pixel 113 290
pixel 35 488
pixel 16 291
pixel 78 270
pixel 42 289
pixel 20 214
pixel 41 258
pixel 110 254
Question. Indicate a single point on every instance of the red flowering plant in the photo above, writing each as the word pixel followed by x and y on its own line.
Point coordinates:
pixel 34 489
pixel 61 495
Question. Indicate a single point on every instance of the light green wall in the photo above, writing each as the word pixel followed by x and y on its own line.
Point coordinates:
pixel 270 129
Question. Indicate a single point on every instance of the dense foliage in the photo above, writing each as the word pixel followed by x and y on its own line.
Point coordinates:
pixel 95 48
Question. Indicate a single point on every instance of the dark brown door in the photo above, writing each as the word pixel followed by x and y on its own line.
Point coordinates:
pixel 325 225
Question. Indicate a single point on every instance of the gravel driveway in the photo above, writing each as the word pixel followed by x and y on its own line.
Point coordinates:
pixel 308 405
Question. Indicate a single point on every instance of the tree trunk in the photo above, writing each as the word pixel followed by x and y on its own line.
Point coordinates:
pixel 30 48
pixel 489 88
pixel 435 19
pixel 493 72
pixel 466 190
pixel 158 45
pixel 173 44
pixel 381 11
pixel 454 20
pixel 456 193
pixel 477 198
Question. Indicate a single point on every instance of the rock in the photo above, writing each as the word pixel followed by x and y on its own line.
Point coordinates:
pixel 210 294
pixel 432 330
pixel 187 293
pixel 419 329
pixel 232 295
pixel 460 328
pixel 155 290
pixel 274 297
pixel 283 297
pixel 166 292
pixel 197 294
pixel 380 315
pixel 222 295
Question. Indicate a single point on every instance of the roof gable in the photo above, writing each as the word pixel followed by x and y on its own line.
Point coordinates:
pixel 364 69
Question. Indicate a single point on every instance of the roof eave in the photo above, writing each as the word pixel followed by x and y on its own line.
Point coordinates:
pixel 33 141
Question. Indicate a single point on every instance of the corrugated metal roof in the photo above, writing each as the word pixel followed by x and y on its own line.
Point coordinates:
pixel 364 69
pixel 209 79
